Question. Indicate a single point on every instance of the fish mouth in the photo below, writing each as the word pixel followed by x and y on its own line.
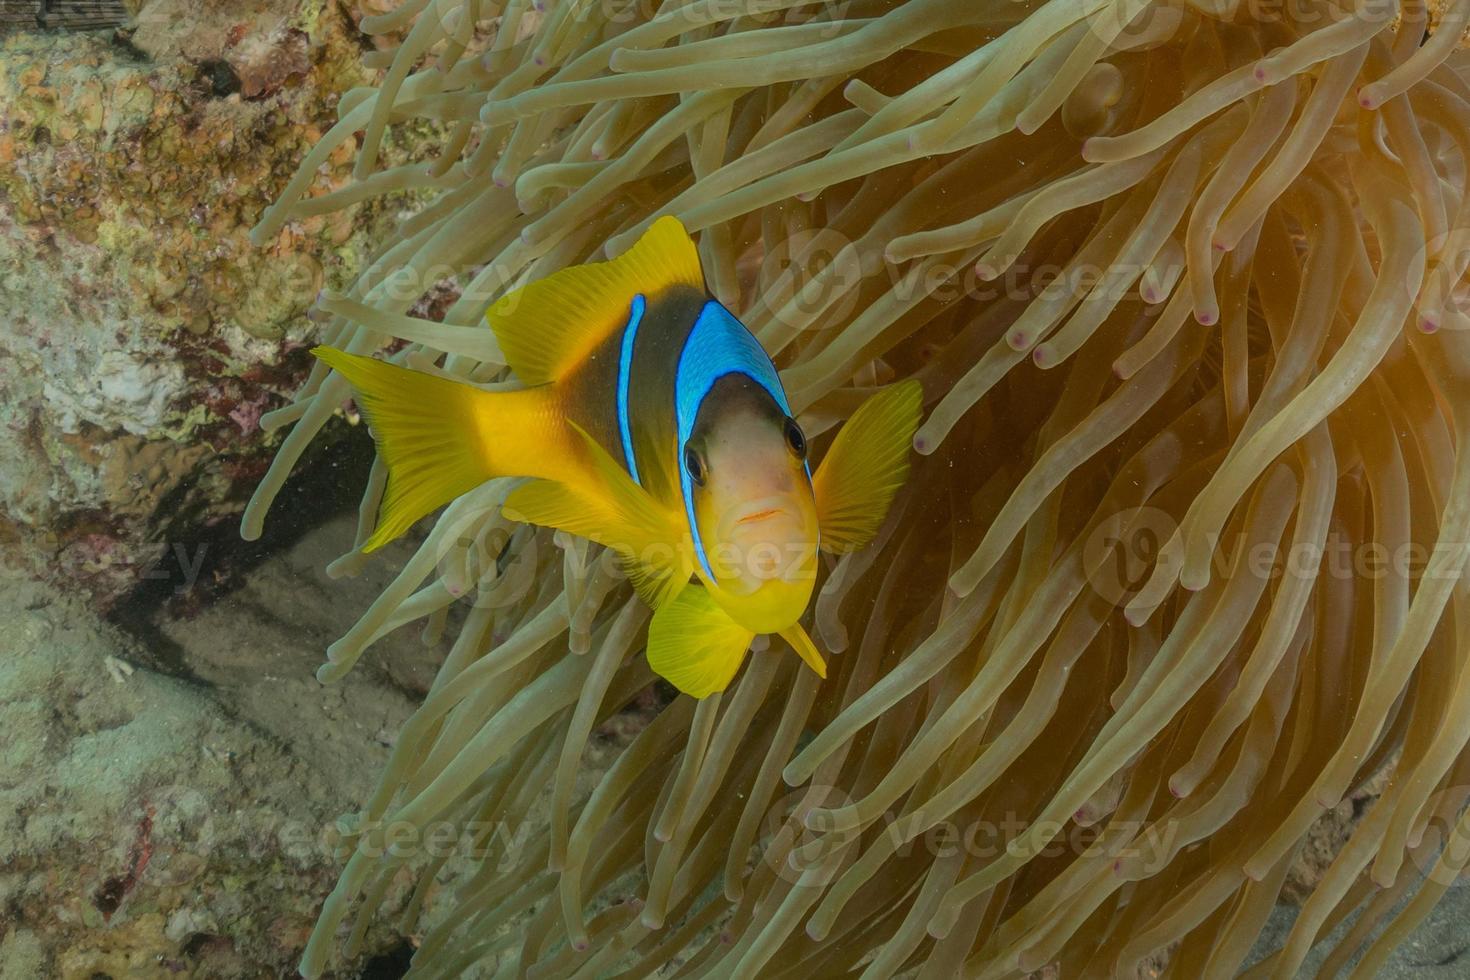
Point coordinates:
pixel 755 520
pixel 759 511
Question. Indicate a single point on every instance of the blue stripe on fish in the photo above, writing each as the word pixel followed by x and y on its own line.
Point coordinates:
pixel 717 345
pixel 625 369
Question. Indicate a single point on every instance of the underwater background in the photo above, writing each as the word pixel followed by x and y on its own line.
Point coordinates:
pixel 173 774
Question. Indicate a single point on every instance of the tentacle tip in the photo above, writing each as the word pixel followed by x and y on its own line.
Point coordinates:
pixel 985 271
pixel 1018 339
pixel 1177 787
pixel 1194 581
pixel 662 836
pixel 1089 147
pixel 1368 98
pixel 580 945
pixel 1045 356
pixel 1429 323
pixel 1206 318
pixel 923 444
pixel 651 920
pixel 1254 873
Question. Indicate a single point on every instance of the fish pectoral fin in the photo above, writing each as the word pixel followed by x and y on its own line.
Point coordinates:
pixel 805 648
pixel 695 645
pixel 551 325
pixel 606 506
pixel 868 462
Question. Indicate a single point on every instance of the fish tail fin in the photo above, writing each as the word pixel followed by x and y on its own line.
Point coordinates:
pixel 439 438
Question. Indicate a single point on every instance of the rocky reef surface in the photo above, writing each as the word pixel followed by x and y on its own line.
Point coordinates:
pixel 181 824
pixel 143 334
pixel 155 825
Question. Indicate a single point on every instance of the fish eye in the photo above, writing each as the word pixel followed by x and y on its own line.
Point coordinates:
pixel 694 464
pixel 795 439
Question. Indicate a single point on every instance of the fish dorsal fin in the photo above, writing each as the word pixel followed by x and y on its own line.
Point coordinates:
pixel 609 508
pixel 695 645
pixel 868 462
pixel 549 326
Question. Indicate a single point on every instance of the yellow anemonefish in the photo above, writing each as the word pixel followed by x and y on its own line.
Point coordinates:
pixel 654 423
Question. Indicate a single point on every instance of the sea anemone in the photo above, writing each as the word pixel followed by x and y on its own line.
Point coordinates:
pixel 1178 567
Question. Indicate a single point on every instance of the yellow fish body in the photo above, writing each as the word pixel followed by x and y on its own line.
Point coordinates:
pixel 652 422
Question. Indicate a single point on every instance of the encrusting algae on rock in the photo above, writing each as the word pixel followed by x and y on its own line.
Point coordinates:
pixel 144 332
pixel 1179 284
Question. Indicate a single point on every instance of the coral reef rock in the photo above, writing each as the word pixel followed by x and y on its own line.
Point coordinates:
pixel 153 826
pixel 144 335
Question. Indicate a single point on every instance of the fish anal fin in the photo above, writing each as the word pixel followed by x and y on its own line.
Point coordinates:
pixel 866 465
pixel 548 327
pixel 695 645
pixel 805 648
pixel 603 504
pixel 654 583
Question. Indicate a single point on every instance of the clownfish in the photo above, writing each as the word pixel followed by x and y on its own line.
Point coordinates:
pixel 651 421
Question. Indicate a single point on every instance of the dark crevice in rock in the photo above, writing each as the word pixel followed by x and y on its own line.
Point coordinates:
pixel 206 561
pixel 220 77
pixel 389 965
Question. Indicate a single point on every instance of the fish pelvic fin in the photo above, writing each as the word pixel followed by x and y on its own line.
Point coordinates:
pixel 603 504
pixel 867 464
pixel 441 438
pixel 695 645
pixel 548 327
